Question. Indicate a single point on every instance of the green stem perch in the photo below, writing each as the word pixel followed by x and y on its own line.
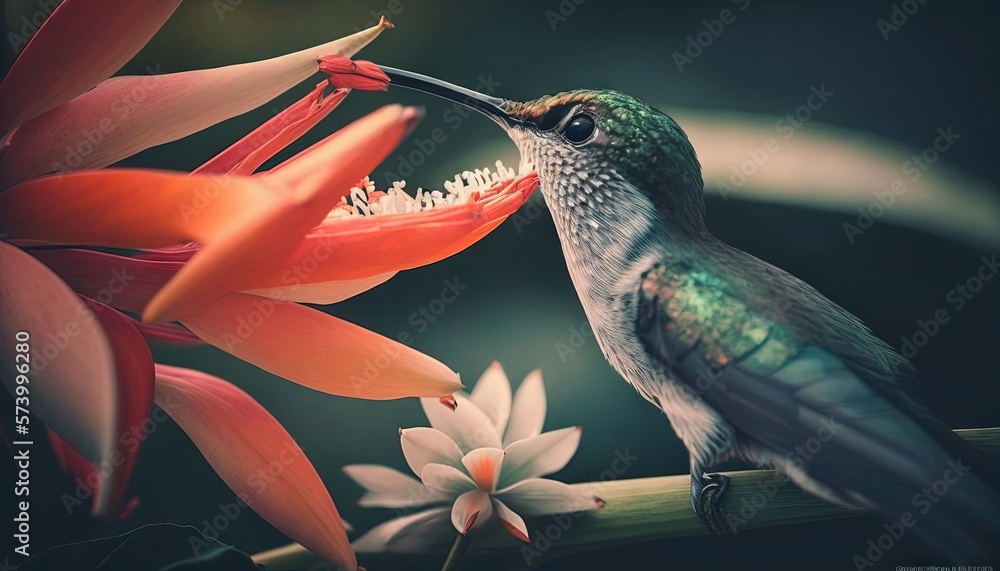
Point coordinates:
pixel 643 509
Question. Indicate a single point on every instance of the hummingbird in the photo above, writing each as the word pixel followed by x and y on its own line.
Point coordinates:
pixel 745 360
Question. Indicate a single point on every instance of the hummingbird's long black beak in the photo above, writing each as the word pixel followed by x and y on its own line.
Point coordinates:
pixel 492 107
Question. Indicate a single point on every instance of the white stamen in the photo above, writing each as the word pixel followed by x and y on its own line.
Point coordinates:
pixel 395 201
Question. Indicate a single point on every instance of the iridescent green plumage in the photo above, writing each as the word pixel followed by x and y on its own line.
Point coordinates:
pixel 704 317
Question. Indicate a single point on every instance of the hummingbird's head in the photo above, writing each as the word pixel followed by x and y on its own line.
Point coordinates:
pixel 609 144
pixel 599 154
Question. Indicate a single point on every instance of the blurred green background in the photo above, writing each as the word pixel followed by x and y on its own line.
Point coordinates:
pixel 938 69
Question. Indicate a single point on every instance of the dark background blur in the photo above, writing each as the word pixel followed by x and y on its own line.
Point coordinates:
pixel 938 69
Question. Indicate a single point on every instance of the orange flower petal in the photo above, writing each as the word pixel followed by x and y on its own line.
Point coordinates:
pixel 321 293
pixel 262 244
pixel 80 387
pixel 246 155
pixel 360 247
pixel 257 459
pixel 128 114
pixel 100 208
pixel 318 350
pixel 250 225
pixel 78 46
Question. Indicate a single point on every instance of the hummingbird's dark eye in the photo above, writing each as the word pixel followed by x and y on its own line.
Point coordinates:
pixel 580 129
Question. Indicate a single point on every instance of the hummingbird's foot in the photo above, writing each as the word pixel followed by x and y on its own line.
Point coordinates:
pixel 706 499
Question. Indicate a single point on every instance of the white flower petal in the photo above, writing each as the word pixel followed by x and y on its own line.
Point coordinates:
pixel 471 509
pixel 388 488
pixel 484 464
pixel 511 521
pixel 539 455
pixel 447 479
pixel 528 413
pixel 423 446
pixel 492 395
pixel 468 426
pixel 418 533
pixel 543 497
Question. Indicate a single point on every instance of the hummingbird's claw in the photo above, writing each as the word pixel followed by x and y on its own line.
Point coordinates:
pixel 706 499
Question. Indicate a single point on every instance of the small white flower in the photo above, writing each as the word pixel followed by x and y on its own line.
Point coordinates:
pixel 485 458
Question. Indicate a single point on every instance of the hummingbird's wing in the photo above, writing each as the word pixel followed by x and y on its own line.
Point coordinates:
pixel 819 400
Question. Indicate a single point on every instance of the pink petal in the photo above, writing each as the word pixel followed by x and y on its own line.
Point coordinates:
pixel 539 455
pixel 528 411
pixel 423 446
pixel 492 395
pixel 483 464
pixel 511 521
pixel 81 44
pixel 471 509
pixel 256 458
pixel 134 376
pixel 318 350
pixel 357 74
pixel 468 426
pixel 150 110
pixel 73 378
pixel 249 153
pixel 388 488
